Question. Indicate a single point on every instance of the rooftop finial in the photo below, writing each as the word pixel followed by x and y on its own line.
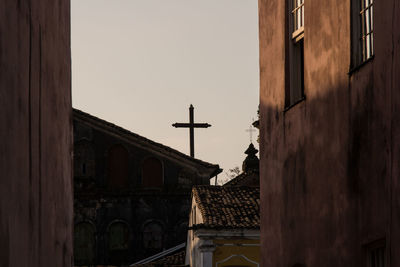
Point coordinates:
pixel 251 163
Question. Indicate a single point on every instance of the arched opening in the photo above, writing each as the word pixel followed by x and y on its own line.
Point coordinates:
pixel 84 243
pixel 118 242
pixel 117 167
pixel 153 236
pixel 152 173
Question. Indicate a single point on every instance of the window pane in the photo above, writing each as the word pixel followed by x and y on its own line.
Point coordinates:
pixel 153 236
pixel 152 173
pixel 372 17
pixel 372 43
pixel 84 243
pixel 118 236
pixel 118 167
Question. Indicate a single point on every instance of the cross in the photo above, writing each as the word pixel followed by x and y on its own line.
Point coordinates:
pixel 250 131
pixel 191 125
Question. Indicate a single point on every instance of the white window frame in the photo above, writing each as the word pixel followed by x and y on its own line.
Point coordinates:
pixel 362 32
pixel 294 93
pixel 297 19
pixel 367 29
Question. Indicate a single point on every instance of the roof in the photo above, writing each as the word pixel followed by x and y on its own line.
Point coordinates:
pixel 251 178
pixel 177 259
pixel 143 142
pixel 236 207
pixel 172 257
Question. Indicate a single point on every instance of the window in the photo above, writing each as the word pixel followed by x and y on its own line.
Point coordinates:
pixel 295 90
pixel 153 236
pixel 118 236
pixel 152 173
pixel 194 216
pixel 376 254
pixel 117 167
pixel 84 243
pixel 298 18
pixel 118 243
pixel 181 230
pixel 362 31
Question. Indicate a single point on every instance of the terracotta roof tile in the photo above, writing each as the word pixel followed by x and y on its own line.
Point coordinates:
pixel 251 178
pixel 228 207
pixel 177 259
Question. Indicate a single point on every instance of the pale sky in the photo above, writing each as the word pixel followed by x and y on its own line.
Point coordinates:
pixel 141 63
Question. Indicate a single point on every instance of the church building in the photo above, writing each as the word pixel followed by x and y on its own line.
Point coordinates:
pixel 132 195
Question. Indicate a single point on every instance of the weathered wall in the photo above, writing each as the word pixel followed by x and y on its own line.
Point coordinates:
pixel 329 164
pixel 35 149
pixel 136 203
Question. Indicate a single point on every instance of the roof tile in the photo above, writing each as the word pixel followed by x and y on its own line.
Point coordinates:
pixel 228 207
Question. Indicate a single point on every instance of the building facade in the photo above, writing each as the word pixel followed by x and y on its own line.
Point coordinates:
pixel 224 227
pixel 132 195
pixel 330 132
pixel 36 212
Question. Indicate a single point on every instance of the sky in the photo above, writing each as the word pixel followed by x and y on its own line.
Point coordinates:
pixel 141 63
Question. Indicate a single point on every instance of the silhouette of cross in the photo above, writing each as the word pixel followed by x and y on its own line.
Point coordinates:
pixel 191 125
pixel 250 131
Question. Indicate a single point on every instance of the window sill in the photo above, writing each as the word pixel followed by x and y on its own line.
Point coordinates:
pixel 359 66
pixel 298 34
pixel 294 104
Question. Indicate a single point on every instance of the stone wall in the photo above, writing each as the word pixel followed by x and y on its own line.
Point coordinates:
pixel 150 199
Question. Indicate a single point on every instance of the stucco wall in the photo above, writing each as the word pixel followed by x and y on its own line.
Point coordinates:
pixel 193 256
pixel 328 165
pixel 35 149
pixel 236 252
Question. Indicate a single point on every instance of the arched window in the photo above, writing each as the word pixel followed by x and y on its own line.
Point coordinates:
pixel 84 243
pixel 153 236
pixel 118 236
pixel 181 230
pixel 152 173
pixel 117 167
pixel 84 160
pixel 118 243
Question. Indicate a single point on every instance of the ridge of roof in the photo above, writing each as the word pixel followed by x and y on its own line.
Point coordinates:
pixel 233 207
pixel 242 178
pixel 145 141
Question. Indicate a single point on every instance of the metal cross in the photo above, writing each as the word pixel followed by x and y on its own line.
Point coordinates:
pixel 191 125
pixel 250 131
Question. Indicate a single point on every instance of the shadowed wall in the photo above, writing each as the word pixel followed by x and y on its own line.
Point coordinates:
pixel 329 166
pixel 36 135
